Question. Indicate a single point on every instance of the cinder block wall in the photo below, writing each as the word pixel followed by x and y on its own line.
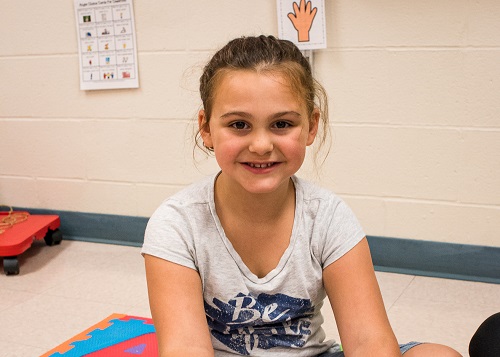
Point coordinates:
pixel 414 92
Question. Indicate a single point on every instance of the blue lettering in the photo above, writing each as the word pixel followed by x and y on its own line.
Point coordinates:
pixel 246 323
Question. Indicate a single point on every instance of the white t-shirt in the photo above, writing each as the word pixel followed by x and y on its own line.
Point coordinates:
pixel 278 314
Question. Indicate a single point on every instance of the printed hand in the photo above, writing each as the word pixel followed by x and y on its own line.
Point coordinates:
pixel 302 19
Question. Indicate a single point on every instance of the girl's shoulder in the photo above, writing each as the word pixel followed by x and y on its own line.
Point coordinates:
pixel 312 191
pixel 321 205
pixel 190 205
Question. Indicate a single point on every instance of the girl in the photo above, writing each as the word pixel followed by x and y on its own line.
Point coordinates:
pixel 239 264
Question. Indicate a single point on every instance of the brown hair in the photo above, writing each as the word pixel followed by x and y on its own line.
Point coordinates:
pixel 264 54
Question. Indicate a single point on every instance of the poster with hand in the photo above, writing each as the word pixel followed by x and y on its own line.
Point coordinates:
pixel 303 23
pixel 106 44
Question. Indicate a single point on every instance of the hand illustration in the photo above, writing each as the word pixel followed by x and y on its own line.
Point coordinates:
pixel 302 19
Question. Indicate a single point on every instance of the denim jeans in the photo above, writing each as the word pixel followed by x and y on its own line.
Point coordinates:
pixel 334 351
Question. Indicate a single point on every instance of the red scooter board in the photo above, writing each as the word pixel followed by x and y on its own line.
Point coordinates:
pixel 19 237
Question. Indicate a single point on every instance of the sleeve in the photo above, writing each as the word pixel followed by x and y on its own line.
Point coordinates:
pixel 342 232
pixel 169 235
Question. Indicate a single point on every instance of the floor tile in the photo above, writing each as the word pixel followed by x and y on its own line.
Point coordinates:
pixel 467 293
pixel 433 319
pixel 119 288
pixel 10 298
pixel 392 286
pixel 19 350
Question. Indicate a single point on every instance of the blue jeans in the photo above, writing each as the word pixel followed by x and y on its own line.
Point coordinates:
pixel 334 351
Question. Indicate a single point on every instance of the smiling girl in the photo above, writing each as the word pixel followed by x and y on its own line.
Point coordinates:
pixel 240 263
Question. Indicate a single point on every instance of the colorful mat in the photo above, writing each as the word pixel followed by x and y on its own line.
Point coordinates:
pixel 117 335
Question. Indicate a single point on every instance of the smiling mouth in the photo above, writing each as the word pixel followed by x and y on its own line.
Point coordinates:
pixel 261 166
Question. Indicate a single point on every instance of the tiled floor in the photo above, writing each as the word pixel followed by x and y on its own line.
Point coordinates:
pixel 62 290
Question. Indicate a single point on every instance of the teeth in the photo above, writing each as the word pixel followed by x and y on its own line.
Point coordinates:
pixel 260 165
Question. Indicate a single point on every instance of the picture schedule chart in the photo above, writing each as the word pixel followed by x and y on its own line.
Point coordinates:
pixel 107 44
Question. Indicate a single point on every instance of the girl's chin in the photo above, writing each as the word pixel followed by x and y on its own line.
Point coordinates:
pixel 254 183
pixel 265 186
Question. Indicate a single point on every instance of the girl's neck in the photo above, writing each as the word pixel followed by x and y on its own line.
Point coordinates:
pixel 258 208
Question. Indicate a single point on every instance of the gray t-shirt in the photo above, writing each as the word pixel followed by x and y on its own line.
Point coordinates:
pixel 276 315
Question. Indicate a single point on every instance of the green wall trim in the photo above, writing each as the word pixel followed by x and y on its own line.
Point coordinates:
pixel 406 256
pixel 438 259
pixel 97 227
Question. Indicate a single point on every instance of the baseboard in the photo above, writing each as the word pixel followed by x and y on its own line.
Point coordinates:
pixel 406 256
pixel 437 259
pixel 98 228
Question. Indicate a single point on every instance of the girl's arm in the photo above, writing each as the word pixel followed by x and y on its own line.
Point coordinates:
pixel 357 304
pixel 176 302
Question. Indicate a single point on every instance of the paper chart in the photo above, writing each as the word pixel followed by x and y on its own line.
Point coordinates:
pixel 107 44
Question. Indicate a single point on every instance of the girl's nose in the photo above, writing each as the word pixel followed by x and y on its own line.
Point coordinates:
pixel 261 143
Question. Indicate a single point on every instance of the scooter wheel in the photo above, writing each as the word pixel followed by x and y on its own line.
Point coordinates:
pixel 53 237
pixel 11 265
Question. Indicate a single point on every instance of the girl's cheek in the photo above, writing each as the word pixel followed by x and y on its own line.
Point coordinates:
pixel 229 145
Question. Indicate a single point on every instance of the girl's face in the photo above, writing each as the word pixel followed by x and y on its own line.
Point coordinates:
pixel 259 130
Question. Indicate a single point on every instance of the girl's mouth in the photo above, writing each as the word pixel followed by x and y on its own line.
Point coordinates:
pixel 261 166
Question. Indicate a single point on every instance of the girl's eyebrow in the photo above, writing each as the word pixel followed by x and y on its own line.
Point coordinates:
pixel 282 114
pixel 247 115
pixel 238 114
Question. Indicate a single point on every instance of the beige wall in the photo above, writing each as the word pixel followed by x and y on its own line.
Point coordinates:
pixel 415 110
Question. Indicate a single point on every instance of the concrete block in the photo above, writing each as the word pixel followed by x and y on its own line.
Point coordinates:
pixel 142 151
pixel 33 28
pixel 18 191
pixel 396 87
pixel 482 76
pixel 87 196
pixel 149 197
pixel 480 167
pixel 395 162
pixel 483 27
pixel 396 23
pixel 443 222
pixel 42 148
pixel 168 90
pixel 199 25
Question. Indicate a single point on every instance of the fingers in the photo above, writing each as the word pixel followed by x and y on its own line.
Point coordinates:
pixel 303 5
pixel 313 13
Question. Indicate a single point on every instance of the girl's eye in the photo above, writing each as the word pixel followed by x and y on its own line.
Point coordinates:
pixel 239 125
pixel 281 124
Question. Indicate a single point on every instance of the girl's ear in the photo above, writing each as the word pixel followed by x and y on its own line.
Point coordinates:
pixel 313 126
pixel 204 129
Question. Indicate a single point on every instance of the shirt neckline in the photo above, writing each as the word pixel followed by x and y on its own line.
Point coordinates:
pixel 234 254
